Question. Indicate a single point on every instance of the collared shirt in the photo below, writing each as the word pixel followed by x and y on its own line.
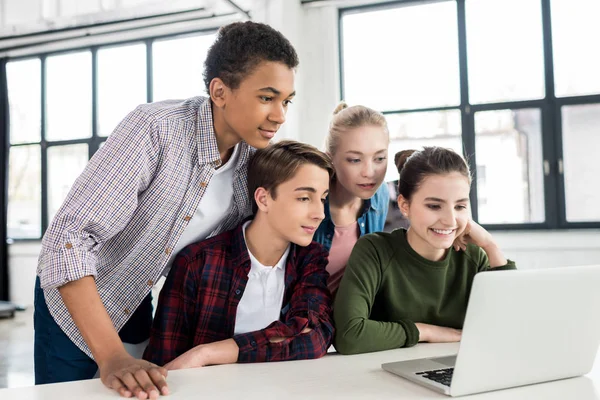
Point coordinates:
pixel 213 208
pixel 199 300
pixel 126 211
pixel 372 218
pixel 261 303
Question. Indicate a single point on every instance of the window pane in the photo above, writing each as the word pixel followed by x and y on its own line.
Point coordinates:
pixel 65 164
pixel 402 58
pixel 69 97
pixel 121 84
pixel 510 176
pixel 24 192
pixel 415 130
pixel 575 33
pixel 25 100
pixel 505 50
pixel 581 141
pixel 178 65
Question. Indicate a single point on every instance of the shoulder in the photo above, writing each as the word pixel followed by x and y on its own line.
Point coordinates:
pixel 171 110
pixel 381 243
pixel 196 254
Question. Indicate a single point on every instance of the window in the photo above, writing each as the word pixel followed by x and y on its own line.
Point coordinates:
pixel 425 68
pixel 24 161
pixel 581 141
pixel 121 84
pixel 24 194
pixel 69 96
pixel 64 106
pixel 177 70
pixel 512 84
pixel 508 145
pixel 575 33
pixel 414 130
pixel 505 52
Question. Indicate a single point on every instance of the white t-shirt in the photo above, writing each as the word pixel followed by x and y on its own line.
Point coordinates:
pixel 261 302
pixel 213 207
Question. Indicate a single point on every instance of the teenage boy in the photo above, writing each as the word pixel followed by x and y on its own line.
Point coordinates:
pixel 258 292
pixel 171 173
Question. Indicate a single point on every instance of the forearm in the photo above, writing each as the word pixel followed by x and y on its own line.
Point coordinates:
pixel 91 318
pixel 361 335
pixel 266 345
pixel 222 352
pixel 437 334
pixel 495 256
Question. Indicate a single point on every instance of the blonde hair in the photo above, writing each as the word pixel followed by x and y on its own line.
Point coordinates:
pixel 346 118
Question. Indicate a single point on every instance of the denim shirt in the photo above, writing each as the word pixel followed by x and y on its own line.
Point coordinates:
pixel 372 218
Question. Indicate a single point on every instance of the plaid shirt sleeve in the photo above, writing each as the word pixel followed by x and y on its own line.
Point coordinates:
pixel 172 331
pixel 309 307
pixel 100 203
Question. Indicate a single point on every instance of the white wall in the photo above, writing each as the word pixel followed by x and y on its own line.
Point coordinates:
pixel 314 32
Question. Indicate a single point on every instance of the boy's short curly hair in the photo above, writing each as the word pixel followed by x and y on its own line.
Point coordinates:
pixel 240 47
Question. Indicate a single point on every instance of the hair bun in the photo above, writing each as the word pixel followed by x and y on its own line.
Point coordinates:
pixel 342 105
pixel 401 157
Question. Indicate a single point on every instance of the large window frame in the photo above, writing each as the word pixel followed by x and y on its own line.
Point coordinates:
pixel 550 107
pixel 95 141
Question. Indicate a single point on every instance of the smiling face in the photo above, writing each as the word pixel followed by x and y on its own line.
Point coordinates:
pixel 295 208
pixel 254 111
pixel 438 212
pixel 360 160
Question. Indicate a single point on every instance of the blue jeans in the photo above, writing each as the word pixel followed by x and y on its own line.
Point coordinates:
pixel 58 359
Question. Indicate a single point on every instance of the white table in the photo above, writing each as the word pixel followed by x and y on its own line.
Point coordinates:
pixel 333 376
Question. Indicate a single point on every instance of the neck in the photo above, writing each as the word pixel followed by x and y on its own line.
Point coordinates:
pixel 424 249
pixel 265 244
pixel 226 138
pixel 341 198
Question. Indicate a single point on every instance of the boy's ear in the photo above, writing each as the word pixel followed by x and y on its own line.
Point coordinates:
pixel 403 205
pixel 261 196
pixel 217 90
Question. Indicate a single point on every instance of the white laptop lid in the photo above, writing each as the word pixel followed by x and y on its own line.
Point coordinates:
pixel 528 326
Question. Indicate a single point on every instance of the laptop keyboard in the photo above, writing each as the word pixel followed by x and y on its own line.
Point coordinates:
pixel 442 376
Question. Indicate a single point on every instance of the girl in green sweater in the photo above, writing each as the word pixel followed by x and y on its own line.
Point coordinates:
pixel 413 285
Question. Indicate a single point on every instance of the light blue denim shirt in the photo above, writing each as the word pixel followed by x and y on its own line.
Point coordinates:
pixel 371 220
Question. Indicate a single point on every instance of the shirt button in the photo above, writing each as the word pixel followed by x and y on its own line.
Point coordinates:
pixel 187 218
pixel 126 311
pixel 68 245
pixel 253 343
pixel 168 251
pixel 362 224
pixel 238 291
pixel 203 184
pixel 150 283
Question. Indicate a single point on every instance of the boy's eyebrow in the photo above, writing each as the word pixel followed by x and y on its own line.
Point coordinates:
pixel 274 91
pixel 306 189
pixel 443 201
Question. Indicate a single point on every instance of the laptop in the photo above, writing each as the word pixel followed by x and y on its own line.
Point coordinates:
pixel 521 327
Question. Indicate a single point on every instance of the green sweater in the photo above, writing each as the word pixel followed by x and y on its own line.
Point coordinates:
pixel 387 287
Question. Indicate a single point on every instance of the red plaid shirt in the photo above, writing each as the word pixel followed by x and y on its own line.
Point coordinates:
pixel 199 300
